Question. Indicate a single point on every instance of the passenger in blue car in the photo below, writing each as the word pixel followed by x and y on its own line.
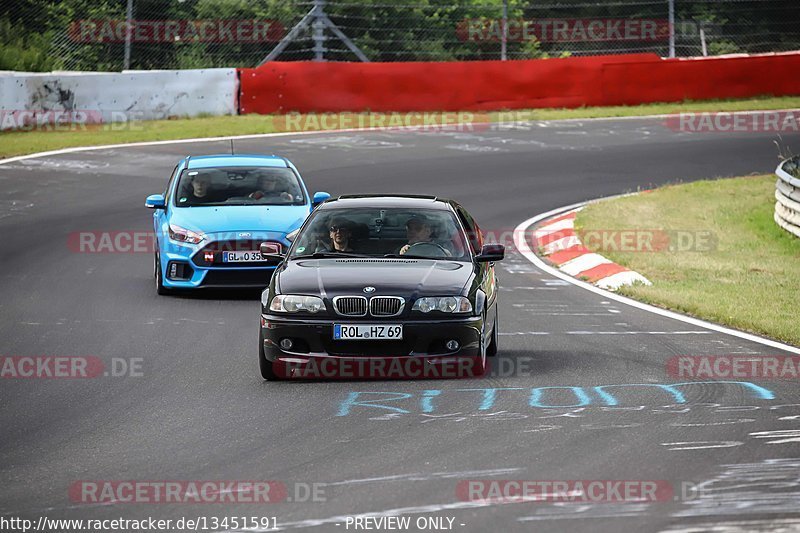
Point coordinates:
pixel 271 189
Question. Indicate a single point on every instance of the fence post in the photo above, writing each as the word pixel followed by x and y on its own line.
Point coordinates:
pixel 703 44
pixel 126 64
pixel 504 38
pixel 671 28
pixel 319 31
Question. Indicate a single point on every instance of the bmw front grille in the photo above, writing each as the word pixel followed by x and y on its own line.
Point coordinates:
pixel 350 305
pixel 386 305
pixel 378 305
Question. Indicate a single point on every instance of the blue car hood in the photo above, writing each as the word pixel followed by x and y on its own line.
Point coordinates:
pixel 219 219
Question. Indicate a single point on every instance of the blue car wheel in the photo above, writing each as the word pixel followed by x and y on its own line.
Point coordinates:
pixel 160 289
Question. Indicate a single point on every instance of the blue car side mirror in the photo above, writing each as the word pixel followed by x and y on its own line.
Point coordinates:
pixel 155 201
pixel 319 197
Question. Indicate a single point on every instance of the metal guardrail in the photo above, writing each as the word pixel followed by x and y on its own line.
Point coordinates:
pixel 787 194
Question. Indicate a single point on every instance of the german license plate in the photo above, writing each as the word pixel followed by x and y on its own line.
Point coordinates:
pixel 367 332
pixel 241 257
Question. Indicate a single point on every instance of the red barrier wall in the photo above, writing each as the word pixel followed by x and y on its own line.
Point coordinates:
pixel 281 87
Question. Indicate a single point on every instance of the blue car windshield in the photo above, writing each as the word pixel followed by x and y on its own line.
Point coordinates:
pixel 382 232
pixel 238 186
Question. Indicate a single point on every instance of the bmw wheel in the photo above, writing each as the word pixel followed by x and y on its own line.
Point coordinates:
pixel 491 351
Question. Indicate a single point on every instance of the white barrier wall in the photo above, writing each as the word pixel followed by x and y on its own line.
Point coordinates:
pixel 115 97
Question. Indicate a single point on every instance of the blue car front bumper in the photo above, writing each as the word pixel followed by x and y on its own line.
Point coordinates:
pixel 203 265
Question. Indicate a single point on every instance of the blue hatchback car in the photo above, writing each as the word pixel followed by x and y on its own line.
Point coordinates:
pixel 216 212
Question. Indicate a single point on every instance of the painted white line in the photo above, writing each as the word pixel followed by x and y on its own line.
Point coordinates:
pixel 701 445
pixel 560 244
pixel 615 281
pixel 638 333
pixel 525 250
pixel 582 263
pixel 427 477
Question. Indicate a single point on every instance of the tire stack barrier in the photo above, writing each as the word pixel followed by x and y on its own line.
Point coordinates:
pixel 787 194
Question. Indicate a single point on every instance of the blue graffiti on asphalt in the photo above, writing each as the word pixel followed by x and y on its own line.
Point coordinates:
pixel 583 396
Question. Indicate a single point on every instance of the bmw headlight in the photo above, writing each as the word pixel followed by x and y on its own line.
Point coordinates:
pixel 293 303
pixel 177 233
pixel 443 304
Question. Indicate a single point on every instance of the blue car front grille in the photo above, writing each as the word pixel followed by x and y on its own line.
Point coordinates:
pixel 214 249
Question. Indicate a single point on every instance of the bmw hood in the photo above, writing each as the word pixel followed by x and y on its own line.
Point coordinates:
pixel 224 219
pixel 395 277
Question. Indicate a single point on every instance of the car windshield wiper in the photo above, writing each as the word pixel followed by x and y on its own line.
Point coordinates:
pixel 411 256
pixel 323 255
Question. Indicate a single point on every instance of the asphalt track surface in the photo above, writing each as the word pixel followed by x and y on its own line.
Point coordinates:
pixel 200 411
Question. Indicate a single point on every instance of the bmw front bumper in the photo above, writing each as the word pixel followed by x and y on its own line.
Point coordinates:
pixel 421 353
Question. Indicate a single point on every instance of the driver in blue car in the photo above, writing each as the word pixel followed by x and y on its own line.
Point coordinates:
pixel 419 231
pixel 202 192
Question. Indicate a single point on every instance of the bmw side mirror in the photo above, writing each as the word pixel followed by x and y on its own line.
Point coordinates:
pixel 271 250
pixel 319 197
pixel 490 253
pixel 155 201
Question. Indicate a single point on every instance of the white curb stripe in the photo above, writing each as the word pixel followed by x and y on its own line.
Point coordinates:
pixel 525 250
pixel 582 263
pixel 615 281
pixel 567 223
pixel 560 244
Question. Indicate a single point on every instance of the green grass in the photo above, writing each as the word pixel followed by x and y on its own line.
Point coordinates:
pixel 26 142
pixel 749 280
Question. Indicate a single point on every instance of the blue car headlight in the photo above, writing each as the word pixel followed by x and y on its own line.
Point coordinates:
pixel 179 234
pixel 294 303
pixel 443 304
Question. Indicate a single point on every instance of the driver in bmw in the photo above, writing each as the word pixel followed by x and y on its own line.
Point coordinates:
pixel 419 230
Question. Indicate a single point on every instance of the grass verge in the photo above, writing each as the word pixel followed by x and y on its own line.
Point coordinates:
pixel 749 278
pixel 27 142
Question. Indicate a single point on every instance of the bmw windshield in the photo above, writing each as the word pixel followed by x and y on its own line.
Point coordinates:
pixel 382 232
pixel 238 186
